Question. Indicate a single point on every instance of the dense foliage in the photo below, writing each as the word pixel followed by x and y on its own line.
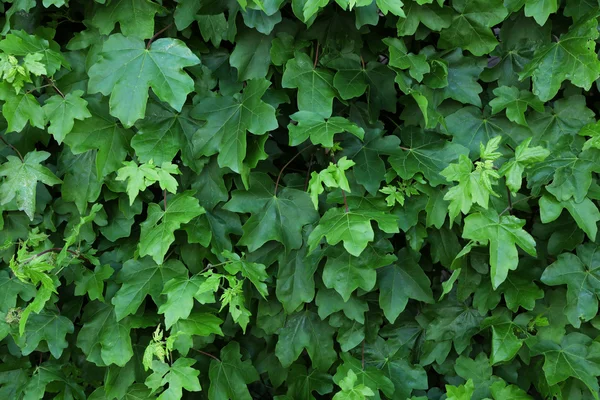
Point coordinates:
pixel 299 199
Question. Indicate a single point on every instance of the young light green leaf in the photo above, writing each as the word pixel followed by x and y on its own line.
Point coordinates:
pixel 320 131
pixel 315 86
pixel 524 157
pixel 503 233
pixel 353 228
pixel 515 102
pixel 157 232
pixel 62 112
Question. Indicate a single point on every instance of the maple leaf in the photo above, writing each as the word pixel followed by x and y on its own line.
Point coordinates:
pixel 21 178
pixel 503 233
pixel 127 70
pixel 228 119
pixel 157 231
pixel 277 217
pixel 572 57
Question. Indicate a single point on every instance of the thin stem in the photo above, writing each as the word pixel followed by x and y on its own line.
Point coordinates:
pixel 13 148
pixel 308 172
pixel 508 196
pixel 38 88
pixel 56 250
pixel 285 166
pixel 316 56
pixel 345 201
pixel 165 198
pixel 56 89
pixel 405 148
pixel 207 354
pixel 516 202
pixel 362 62
pixel 156 35
pixel 362 359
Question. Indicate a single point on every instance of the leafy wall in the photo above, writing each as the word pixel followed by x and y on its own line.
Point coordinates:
pixel 299 199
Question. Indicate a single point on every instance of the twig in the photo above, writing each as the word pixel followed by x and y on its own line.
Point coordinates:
pixel 14 149
pixel 56 250
pixel 156 35
pixel 165 198
pixel 516 202
pixel 345 201
pixel 207 354
pixel 316 56
pixel 56 89
pixel 284 167
pixel 308 172
pixel 363 355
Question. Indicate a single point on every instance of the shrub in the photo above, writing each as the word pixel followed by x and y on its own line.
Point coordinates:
pixel 299 199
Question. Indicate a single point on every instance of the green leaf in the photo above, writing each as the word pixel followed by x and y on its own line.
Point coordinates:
pixel 461 392
pixel 470 27
pixel 315 85
pixel 345 272
pixel 18 109
pixel 80 182
pixel 251 55
pixel 102 338
pixel 401 281
pixel 501 391
pixel 21 178
pixel 353 228
pixel 581 274
pixel 127 70
pixel 503 233
pixel 229 376
pixel 49 327
pixel 61 112
pixel 575 356
pixel 103 133
pixel 255 272
pixel 157 231
pixel 394 7
pixel 321 131
pixel 20 43
pixel 141 278
pixel 463 74
pixel 135 18
pixel 433 17
pixel 515 103
pixel 295 278
pixel 227 121
pixel 585 214
pixel 524 157
pixel 180 292
pixel 277 217
pixel 401 58
pixel 424 153
pixel 351 390
pixel 162 134
pixel 92 282
pixel 213 28
pixel 506 337
pixel 179 376
pixel 305 330
pixel 572 57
